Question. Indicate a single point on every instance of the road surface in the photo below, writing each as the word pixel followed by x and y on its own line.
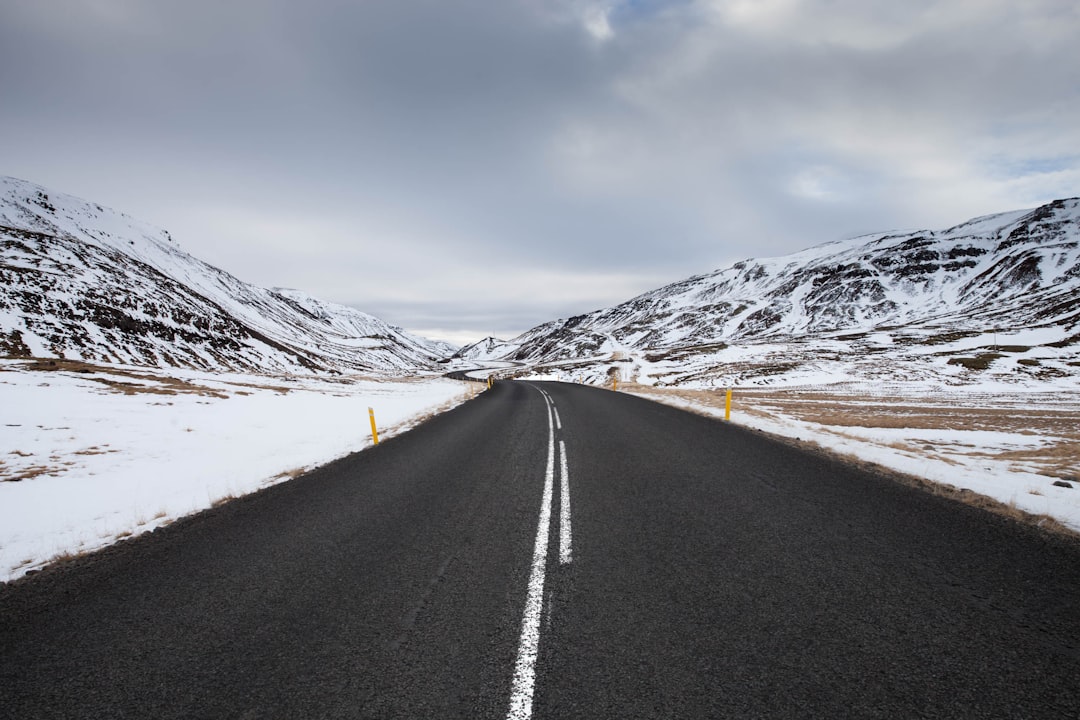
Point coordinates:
pixel 557 551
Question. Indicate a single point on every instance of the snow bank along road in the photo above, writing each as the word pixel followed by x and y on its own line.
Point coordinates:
pixel 556 551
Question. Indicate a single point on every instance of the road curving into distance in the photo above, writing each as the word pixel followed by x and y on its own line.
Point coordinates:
pixel 557 551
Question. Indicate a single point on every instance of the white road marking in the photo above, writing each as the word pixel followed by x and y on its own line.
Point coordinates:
pixel 565 550
pixel 558 422
pixel 521 694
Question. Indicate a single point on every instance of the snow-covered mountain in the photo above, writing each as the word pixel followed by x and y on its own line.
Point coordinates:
pixel 1000 292
pixel 486 350
pixel 78 280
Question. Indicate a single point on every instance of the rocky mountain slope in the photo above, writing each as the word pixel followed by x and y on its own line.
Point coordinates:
pixel 490 348
pixel 998 293
pixel 78 280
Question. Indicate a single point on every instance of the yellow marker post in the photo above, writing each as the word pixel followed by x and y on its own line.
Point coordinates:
pixel 615 383
pixel 374 432
pixel 727 405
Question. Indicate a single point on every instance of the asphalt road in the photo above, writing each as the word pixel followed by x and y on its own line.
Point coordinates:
pixel 555 551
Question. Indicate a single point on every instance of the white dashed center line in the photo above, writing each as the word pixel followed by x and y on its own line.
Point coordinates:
pixel 565 549
pixel 524 682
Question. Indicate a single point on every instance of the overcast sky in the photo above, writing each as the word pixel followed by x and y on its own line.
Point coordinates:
pixel 464 167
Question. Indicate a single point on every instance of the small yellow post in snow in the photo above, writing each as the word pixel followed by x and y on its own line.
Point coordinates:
pixel 615 383
pixel 374 432
pixel 727 405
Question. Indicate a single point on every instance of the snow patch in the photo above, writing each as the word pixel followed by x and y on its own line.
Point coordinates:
pixel 111 453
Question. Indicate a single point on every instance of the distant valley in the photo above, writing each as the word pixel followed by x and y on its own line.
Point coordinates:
pixel 993 299
pixel 81 281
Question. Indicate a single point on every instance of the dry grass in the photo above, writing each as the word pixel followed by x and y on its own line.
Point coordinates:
pixel 1058 460
pixel 148 383
pixel 279 389
pixel 66 556
pixel 224 499
pixel 133 381
pixel 96 450
pixel 25 473
pixel 55 463
pixel 289 474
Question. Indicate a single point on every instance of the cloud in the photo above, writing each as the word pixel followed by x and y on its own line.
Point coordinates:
pixel 432 158
pixel 597 22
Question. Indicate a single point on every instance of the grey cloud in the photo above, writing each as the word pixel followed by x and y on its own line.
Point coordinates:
pixel 422 132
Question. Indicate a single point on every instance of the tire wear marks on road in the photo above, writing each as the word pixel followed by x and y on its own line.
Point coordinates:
pixel 409 619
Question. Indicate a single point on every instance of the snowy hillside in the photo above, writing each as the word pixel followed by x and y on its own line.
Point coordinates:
pixel 999 293
pixel 483 351
pixel 78 280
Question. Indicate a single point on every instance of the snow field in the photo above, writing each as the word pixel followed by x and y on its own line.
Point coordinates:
pixel 111 453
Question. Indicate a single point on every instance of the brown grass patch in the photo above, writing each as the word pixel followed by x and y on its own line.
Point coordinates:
pixel 279 389
pixel 96 450
pixel 151 383
pixel 1060 459
pixel 66 556
pixel 290 474
pixel 224 499
pixel 27 473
